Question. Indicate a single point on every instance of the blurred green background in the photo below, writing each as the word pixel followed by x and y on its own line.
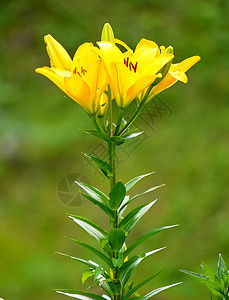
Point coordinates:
pixel 40 143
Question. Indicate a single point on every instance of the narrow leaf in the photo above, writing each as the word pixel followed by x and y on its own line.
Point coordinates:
pixel 205 280
pixel 130 220
pixel 79 295
pixel 117 195
pixel 132 135
pixel 93 229
pixel 208 272
pixel 103 206
pixel 135 180
pixel 157 291
pixel 88 263
pixel 95 251
pixel 222 268
pixel 93 192
pixel 103 165
pixel 145 237
pixel 129 267
pixel 141 194
pixel 138 286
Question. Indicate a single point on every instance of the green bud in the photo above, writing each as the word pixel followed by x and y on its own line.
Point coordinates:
pixel 107 33
pixel 169 50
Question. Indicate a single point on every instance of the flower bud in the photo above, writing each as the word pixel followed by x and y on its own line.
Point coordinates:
pixel 107 34
pixel 169 50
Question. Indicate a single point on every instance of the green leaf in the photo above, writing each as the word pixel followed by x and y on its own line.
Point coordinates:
pixel 135 180
pixel 103 165
pixel 116 238
pixel 222 268
pixel 208 272
pixel 129 267
pixel 86 275
pixel 131 219
pixel 118 140
pixel 131 134
pixel 93 229
pixel 141 194
pixel 88 263
pixel 138 286
pixel 93 132
pixel 117 195
pixel 157 291
pixel 117 262
pixel 145 237
pixel 95 251
pixel 93 192
pixel 214 288
pixel 103 206
pixel 79 295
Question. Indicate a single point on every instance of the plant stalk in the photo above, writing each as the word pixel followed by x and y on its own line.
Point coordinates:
pixel 112 162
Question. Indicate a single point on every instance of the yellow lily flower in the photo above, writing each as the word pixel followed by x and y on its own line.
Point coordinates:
pixel 175 73
pixel 83 79
pixel 129 73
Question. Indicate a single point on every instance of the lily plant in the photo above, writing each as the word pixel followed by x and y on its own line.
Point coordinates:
pixel 98 78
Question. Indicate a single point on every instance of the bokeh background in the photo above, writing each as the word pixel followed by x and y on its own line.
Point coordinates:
pixel 186 143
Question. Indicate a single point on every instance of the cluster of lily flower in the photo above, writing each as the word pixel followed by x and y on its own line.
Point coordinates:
pixel 97 75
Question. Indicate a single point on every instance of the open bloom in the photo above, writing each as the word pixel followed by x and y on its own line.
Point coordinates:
pixel 83 79
pixel 176 73
pixel 130 73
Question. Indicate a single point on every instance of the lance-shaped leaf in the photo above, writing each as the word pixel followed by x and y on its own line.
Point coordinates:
pixel 141 194
pixel 142 283
pixel 116 238
pixel 93 229
pixel 79 295
pixel 88 263
pixel 131 134
pixel 93 192
pixel 145 237
pixel 103 165
pixel 95 251
pixel 129 267
pixel 117 195
pixel 157 291
pixel 93 132
pixel 103 206
pixel 131 219
pixel 135 180
pixel 213 287
pixel 208 272
pixel 222 272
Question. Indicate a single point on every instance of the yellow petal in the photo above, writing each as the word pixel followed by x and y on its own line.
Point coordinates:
pixel 59 57
pixel 139 86
pixel 55 75
pixel 146 45
pixel 179 75
pixel 155 65
pixel 166 82
pixel 186 64
pixel 79 91
pixel 103 103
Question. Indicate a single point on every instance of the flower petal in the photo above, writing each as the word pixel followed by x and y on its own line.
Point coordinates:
pixel 139 86
pixel 59 57
pixel 55 75
pixel 79 91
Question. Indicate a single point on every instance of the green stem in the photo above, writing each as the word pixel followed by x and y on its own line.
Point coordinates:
pixel 111 150
pixel 137 111
pixel 110 110
pixel 112 162
pixel 121 111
